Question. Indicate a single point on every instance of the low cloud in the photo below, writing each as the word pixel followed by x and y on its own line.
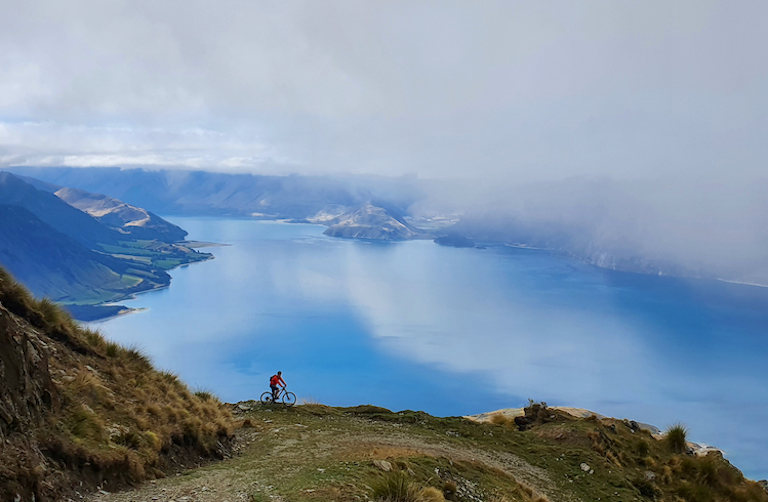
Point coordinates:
pixel 503 90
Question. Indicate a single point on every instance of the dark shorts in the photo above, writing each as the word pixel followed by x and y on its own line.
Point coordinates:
pixel 273 387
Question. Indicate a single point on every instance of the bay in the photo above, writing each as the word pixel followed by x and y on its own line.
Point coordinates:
pixel 415 325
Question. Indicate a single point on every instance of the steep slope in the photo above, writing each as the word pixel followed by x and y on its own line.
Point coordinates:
pixel 55 212
pixel 78 412
pixel 62 253
pixel 56 266
pixel 134 221
pixel 116 214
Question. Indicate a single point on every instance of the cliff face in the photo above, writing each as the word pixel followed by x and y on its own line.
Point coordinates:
pixel 28 396
pixel 28 393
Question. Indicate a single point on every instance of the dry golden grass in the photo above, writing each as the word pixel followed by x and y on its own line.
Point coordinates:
pixel 118 411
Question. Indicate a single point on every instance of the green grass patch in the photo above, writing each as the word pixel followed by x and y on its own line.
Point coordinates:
pixel 168 263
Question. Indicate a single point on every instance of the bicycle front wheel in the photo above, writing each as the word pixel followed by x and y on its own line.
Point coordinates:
pixel 266 398
pixel 289 399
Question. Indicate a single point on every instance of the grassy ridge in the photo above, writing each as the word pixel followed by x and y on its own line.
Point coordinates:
pixel 116 420
pixel 556 457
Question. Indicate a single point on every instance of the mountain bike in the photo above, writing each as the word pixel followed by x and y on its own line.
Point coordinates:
pixel 287 398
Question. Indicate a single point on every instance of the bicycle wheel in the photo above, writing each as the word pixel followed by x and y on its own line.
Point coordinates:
pixel 289 399
pixel 266 398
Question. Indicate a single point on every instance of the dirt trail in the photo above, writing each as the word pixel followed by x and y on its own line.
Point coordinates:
pixel 276 453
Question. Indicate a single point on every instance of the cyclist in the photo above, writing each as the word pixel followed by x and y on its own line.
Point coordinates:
pixel 274 381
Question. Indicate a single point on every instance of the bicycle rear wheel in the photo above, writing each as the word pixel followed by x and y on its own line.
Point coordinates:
pixel 289 399
pixel 266 398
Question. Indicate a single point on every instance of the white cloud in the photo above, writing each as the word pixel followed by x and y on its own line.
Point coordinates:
pixel 492 89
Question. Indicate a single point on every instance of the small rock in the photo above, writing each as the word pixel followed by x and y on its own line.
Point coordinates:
pixel 650 475
pixel 320 469
pixel 104 492
pixel 383 465
pixel 243 407
pixel 585 467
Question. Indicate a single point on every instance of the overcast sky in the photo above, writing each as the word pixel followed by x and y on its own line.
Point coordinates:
pixel 519 90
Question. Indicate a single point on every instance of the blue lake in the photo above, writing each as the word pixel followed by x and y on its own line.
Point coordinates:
pixel 414 325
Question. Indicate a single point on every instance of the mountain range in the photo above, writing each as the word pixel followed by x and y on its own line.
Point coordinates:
pixel 93 250
pixel 606 224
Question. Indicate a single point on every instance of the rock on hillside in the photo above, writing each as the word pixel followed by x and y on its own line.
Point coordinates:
pixel 125 218
pixel 373 222
pixel 28 391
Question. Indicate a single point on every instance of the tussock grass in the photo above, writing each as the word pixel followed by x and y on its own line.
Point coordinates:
pixel 676 438
pixel 117 414
pixel 138 357
pixel 206 395
pixel 396 487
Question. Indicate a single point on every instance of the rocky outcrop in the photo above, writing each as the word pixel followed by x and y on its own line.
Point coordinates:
pixel 27 397
pixel 28 392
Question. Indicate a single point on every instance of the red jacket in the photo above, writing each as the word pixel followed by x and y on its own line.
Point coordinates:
pixel 276 379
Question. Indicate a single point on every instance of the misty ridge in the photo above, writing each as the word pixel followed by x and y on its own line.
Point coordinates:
pixel 713 228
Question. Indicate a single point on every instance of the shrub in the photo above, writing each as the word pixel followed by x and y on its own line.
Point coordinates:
pixel 646 487
pixel 431 494
pixel 84 423
pixel 205 395
pixel 93 338
pixel 642 447
pixel 676 438
pixel 395 488
pixel 499 419
pixel 52 313
pixel 138 357
pixel 112 349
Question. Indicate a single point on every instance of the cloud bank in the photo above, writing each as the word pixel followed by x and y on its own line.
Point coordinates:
pixel 492 90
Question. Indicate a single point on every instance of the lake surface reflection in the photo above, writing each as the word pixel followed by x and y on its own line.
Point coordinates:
pixel 414 325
